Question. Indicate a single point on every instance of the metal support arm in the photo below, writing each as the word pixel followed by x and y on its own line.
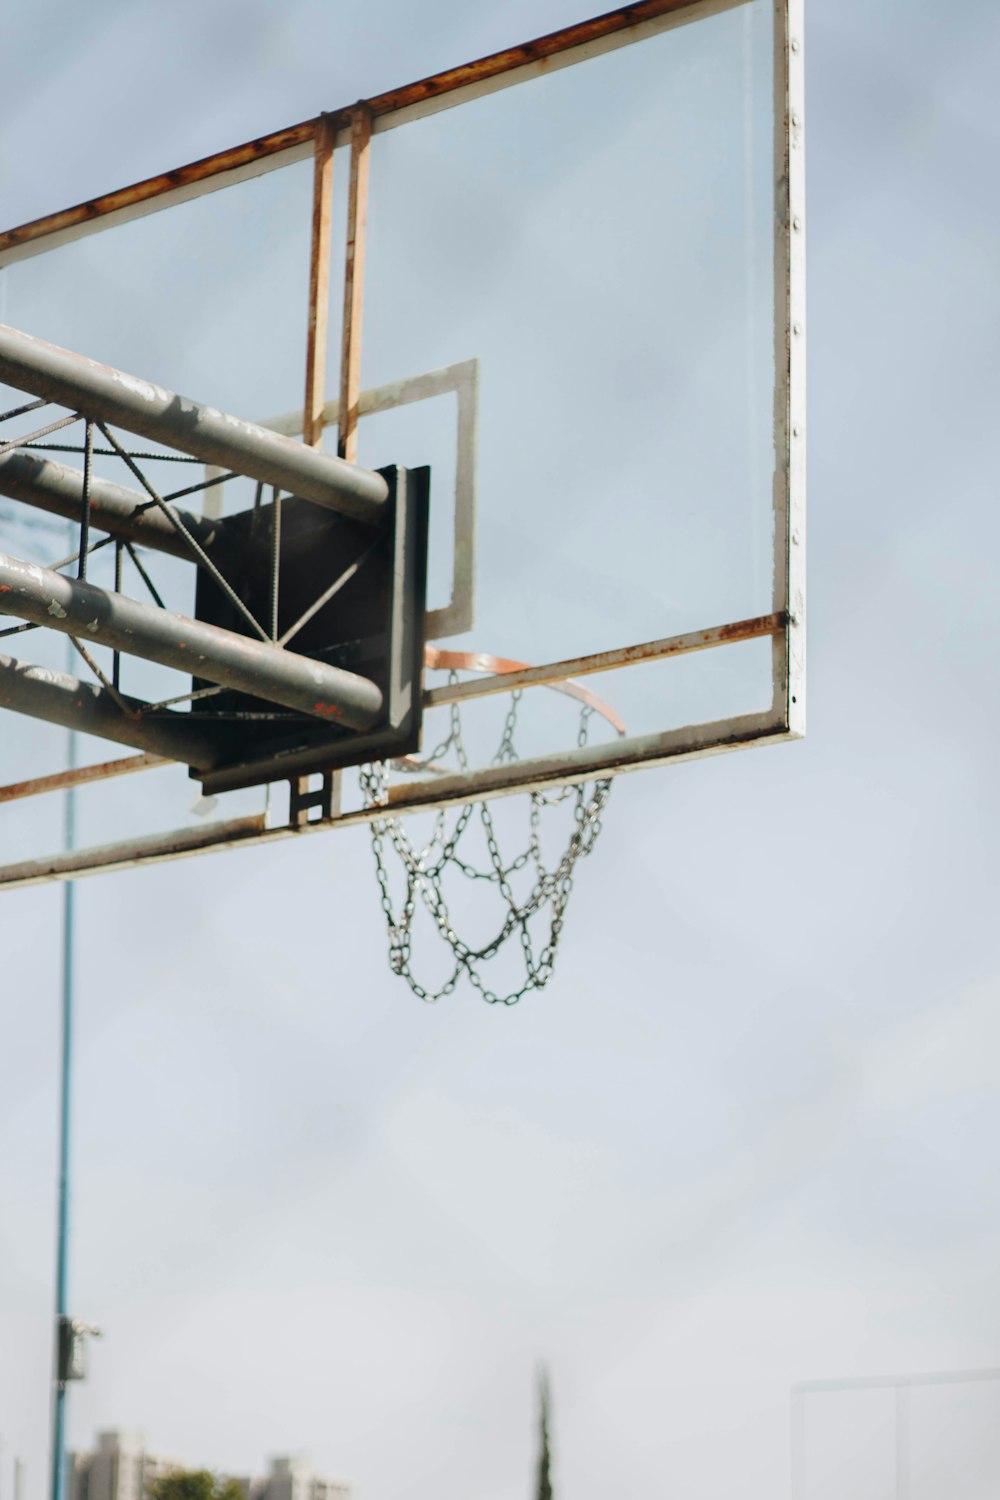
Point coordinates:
pixel 59 698
pixel 109 395
pixel 220 656
pixel 121 512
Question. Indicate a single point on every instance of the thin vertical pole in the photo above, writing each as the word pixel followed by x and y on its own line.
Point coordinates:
pixel 275 559
pixel 798 1448
pixel 354 282
pixel 319 284
pixel 58 1491
pixel 902 1442
pixel 116 659
pixel 751 351
pixel 543 1489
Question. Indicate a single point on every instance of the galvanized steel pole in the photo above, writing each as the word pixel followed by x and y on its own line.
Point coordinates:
pixel 220 656
pixel 65 1101
pixel 60 698
pixel 100 392
pixel 121 512
pixel 58 1455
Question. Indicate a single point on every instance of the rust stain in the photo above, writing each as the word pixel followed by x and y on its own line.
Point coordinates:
pixel 80 775
pixel 508 675
pixel 305 133
pixel 132 852
pixel 539 50
pixel 165 182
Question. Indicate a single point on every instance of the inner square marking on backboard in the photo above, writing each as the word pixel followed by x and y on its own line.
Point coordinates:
pixel 462 378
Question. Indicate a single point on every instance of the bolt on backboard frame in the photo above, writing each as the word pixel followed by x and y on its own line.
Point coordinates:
pixel 571 281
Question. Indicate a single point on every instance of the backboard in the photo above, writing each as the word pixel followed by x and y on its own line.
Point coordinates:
pixel 567 280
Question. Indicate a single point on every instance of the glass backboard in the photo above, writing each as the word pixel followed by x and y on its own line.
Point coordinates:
pixel 569 280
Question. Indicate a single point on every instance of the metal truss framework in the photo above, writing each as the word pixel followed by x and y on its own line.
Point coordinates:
pixel 320 713
pixel 43 597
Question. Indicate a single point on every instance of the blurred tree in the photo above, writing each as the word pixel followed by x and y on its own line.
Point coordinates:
pixel 543 1490
pixel 193 1484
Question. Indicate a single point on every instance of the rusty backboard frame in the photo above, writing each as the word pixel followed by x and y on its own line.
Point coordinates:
pixel 353 127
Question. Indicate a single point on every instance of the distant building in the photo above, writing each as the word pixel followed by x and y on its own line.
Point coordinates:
pixel 295 1479
pixel 120 1468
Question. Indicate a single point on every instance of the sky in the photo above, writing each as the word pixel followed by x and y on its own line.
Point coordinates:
pixel 748 1134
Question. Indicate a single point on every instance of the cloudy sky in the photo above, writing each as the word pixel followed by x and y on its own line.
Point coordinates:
pixel 749 1133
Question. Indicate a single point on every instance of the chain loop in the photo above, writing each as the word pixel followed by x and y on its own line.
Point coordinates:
pixel 424 869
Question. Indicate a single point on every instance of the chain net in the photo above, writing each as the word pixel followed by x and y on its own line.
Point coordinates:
pixel 531 891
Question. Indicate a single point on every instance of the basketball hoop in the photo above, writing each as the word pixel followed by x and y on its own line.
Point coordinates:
pixel 531 889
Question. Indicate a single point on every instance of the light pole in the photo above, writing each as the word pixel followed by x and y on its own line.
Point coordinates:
pixel 58 1490
pixel 71 1333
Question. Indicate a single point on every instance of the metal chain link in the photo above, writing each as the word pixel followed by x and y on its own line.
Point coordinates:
pixel 424 868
